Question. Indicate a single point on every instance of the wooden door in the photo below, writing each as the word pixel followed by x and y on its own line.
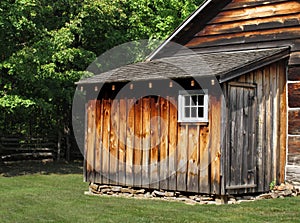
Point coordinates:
pixel 241 138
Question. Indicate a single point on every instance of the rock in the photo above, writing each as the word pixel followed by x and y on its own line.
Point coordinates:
pixel 104 187
pixel 169 194
pixel 287 193
pixel 94 187
pixel 248 198
pixel 190 202
pixel 274 195
pixel 192 197
pixel 127 190
pixel 156 193
pixel 148 195
pixel 265 196
pixel 116 189
pixel 106 190
pixel 206 198
pixel 141 191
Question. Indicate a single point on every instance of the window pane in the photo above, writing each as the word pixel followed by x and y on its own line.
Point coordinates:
pixel 194 100
pixel 187 100
pixel 187 112
pixel 200 112
pixel 194 112
pixel 200 99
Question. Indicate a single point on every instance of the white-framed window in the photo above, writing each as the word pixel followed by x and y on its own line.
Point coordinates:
pixel 193 106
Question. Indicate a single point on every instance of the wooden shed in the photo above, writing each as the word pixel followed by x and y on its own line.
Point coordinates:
pixel 213 121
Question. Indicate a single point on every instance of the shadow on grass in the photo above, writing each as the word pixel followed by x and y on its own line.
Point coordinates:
pixel 28 167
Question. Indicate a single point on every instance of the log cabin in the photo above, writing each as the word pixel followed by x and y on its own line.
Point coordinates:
pixel 217 115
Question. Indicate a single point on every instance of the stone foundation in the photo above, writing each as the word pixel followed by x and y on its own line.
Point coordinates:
pixel 281 191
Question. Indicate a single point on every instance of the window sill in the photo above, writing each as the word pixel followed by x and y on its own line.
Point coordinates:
pixel 192 123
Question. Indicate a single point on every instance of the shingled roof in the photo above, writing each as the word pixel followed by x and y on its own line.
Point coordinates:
pixel 223 65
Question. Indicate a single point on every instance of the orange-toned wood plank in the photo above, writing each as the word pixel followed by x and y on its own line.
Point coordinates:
pixel 215 149
pixel 154 128
pixel 114 142
pixel 172 143
pixel 138 132
pixel 182 157
pixel 130 142
pixel 98 141
pixel 106 140
pixel 164 159
pixel 146 142
pixel 90 141
pixel 122 141
pixel 283 117
pixel 193 156
pixel 204 160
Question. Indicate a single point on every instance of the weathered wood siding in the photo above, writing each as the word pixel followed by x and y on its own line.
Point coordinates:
pixel 269 136
pixel 140 143
pixel 247 24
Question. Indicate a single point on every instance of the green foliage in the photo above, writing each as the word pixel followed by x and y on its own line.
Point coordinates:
pixel 46 46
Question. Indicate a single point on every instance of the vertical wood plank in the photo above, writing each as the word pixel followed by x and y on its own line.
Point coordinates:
pixel 90 150
pixel 192 171
pixel 114 142
pixel 283 117
pixel 146 142
pixel 172 143
pixel 215 103
pixel 233 135
pixel 138 155
pixel 258 78
pixel 182 157
pixel 204 165
pixel 246 134
pixel 154 152
pixel 130 142
pixel 275 121
pixel 98 141
pixel 122 141
pixel 164 159
pixel 268 132
pixel 106 140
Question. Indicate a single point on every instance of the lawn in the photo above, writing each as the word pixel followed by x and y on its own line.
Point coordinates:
pixel 55 193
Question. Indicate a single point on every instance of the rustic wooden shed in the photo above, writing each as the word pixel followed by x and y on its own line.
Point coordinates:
pixel 213 121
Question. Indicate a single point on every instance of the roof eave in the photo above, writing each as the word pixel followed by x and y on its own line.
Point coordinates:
pixel 254 65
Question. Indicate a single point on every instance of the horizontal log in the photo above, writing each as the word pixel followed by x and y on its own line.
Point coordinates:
pixel 294 144
pixel 287 33
pixel 294 58
pixel 294 122
pixel 294 150
pixel 236 4
pixel 294 73
pixel 294 159
pixel 283 8
pixel 251 25
pixel 293 173
pixel 294 95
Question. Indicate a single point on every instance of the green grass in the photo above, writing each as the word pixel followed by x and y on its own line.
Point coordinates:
pixel 55 195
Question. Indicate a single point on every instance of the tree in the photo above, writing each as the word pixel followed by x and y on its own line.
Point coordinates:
pixel 47 45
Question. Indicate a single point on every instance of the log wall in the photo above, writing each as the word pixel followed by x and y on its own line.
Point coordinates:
pixel 248 24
